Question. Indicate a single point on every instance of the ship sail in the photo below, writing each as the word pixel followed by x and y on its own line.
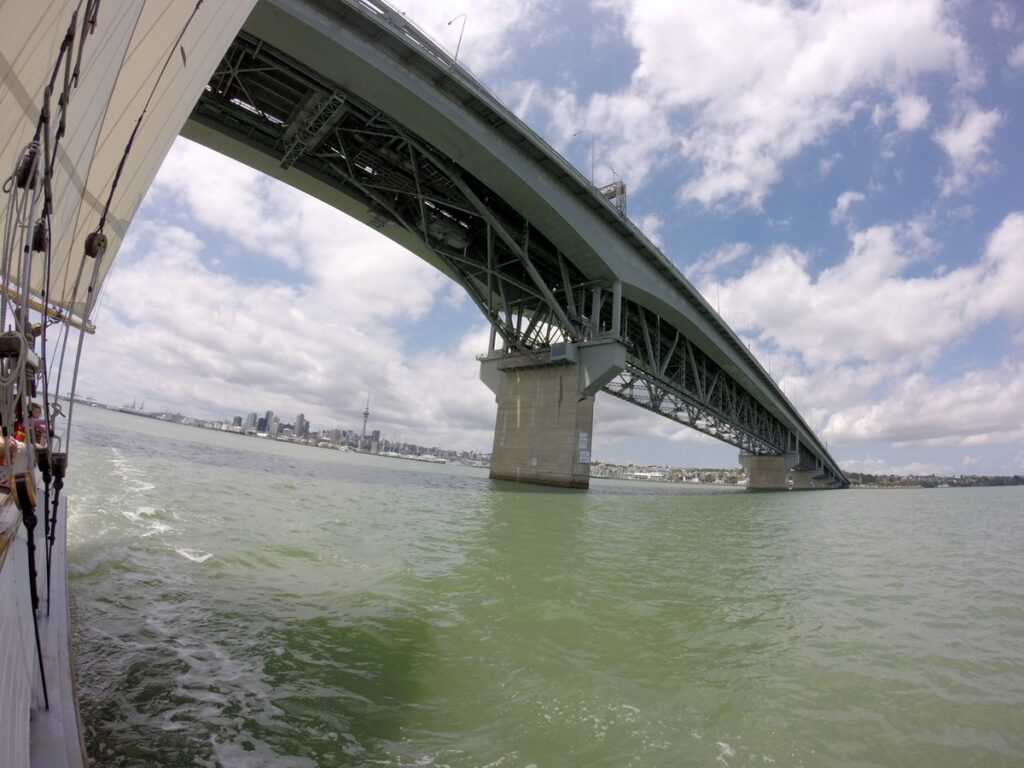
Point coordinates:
pixel 108 75
pixel 135 60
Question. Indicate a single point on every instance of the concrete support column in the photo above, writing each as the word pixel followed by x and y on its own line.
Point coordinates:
pixel 779 473
pixel 544 424
pixel 765 473
pixel 543 428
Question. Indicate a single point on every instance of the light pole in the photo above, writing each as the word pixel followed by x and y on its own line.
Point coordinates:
pixel 459 45
pixel 584 130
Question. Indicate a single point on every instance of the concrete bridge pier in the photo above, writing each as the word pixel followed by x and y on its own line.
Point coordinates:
pixel 545 417
pixel 781 473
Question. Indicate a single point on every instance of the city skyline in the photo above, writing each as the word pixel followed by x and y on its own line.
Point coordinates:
pixel 257 423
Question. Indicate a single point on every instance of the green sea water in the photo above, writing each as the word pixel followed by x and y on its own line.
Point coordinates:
pixel 243 602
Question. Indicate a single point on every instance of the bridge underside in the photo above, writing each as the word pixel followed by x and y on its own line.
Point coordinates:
pixel 269 107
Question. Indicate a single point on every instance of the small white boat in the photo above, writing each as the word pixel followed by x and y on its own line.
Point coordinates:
pixel 431 458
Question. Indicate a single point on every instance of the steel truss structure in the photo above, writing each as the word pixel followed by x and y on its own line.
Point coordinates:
pixel 670 375
pixel 532 294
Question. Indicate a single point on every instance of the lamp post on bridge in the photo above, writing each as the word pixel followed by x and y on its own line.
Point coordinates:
pixel 586 130
pixel 462 16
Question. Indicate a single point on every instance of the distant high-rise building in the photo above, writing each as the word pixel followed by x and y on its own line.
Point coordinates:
pixel 261 424
pixel 236 422
pixel 301 426
pixel 251 420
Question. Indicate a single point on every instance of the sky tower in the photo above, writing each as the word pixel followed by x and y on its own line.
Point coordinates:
pixel 366 414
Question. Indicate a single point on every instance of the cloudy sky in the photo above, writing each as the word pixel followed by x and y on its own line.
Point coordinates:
pixel 840 178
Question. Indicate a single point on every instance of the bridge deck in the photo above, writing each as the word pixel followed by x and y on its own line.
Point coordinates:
pixel 353 104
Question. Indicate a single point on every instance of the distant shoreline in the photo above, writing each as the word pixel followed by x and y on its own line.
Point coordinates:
pixel 613 471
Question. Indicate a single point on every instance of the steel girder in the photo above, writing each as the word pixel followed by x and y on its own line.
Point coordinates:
pixel 668 374
pixel 530 292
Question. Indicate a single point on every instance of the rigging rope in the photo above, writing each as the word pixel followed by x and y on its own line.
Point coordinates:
pixel 96 242
pixel 26 231
pixel 27 225
pixel 145 108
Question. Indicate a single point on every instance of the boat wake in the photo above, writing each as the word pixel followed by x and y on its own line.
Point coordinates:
pixel 193 555
pixel 129 473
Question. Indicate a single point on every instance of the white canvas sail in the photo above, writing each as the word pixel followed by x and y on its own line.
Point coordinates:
pixel 121 64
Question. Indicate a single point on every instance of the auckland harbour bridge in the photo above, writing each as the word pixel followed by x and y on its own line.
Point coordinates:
pixel 350 102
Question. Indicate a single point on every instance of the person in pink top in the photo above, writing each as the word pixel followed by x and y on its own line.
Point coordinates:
pixel 37 425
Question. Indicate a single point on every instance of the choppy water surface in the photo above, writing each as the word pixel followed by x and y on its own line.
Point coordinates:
pixel 240 602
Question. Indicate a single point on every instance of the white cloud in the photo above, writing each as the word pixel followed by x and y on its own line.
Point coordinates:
pixel 441 395
pixel 826 164
pixel 1003 16
pixel 631 134
pixel 315 335
pixel 1016 57
pixel 966 141
pixel 486 33
pixel 651 225
pixel 803 72
pixel 321 246
pixel 232 198
pixel 192 328
pixel 843 203
pixel 720 257
pixel 859 370
pixel 911 112
pixel 979 408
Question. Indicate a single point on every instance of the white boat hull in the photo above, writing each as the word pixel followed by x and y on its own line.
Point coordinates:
pixel 32 736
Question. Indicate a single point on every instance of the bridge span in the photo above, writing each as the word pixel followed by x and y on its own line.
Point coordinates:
pixel 350 102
